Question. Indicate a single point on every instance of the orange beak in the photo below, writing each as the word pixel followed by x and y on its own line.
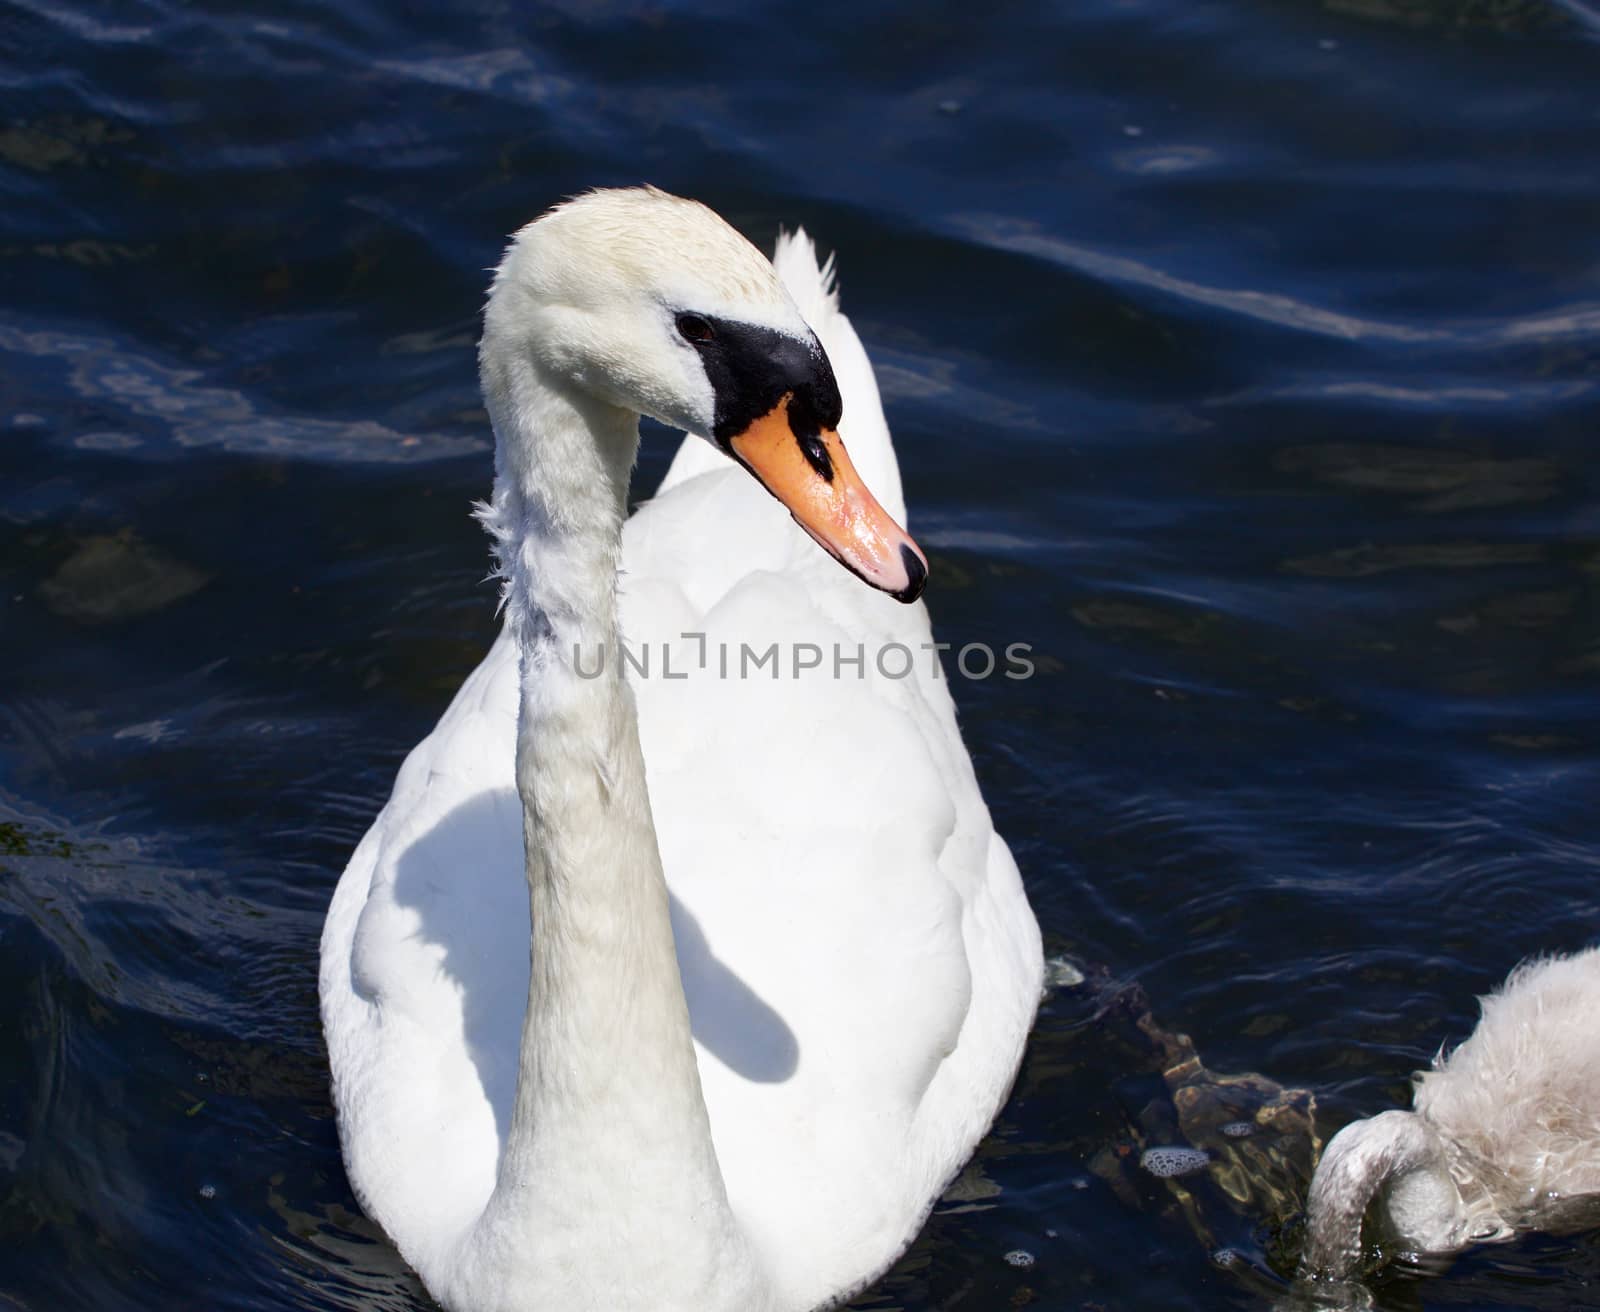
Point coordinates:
pixel 812 475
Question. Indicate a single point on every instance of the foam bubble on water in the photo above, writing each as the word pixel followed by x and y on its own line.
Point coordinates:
pixel 208 1191
pixel 1225 1256
pixel 1238 1129
pixel 1019 1257
pixel 1167 1162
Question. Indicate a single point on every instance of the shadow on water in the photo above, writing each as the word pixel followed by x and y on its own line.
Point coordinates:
pixel 464 879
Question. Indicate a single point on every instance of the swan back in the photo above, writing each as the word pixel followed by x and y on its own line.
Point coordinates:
pixel 1520 1099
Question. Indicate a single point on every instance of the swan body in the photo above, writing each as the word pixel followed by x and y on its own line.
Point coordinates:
pixel 689 986
pixel 1504 1135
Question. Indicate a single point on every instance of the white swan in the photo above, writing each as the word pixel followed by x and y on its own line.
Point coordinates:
pixel 858 959
pixel 1505 1135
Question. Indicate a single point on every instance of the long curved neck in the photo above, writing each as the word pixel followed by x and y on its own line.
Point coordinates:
pixel 609 1116
pixel 1361 1160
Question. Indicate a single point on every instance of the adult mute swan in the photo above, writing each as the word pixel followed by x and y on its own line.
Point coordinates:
pixel 782 967
pixel 1505 1135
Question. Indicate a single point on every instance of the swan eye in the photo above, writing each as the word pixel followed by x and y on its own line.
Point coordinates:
pixel 693 328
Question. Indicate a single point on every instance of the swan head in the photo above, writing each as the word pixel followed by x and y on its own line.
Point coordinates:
pixel 651 304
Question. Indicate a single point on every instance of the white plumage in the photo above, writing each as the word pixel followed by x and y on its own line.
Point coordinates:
pixel 859 961
pixel 1504 1136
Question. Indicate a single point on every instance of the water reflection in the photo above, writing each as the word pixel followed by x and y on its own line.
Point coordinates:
pixel 180 403
pixel 1442 480
pixel 1270 307
pixel 107 579
pixel 1372 558
pixel 1521 16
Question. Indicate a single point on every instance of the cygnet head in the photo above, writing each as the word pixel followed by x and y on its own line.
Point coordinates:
pixel 651 304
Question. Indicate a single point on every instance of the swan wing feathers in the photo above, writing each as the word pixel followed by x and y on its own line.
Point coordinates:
pixel 424 974
pixel 860 960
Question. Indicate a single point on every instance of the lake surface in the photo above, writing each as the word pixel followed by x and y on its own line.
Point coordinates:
pixel 1243 358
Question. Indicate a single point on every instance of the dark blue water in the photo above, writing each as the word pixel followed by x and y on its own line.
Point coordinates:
pixel 1244 358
